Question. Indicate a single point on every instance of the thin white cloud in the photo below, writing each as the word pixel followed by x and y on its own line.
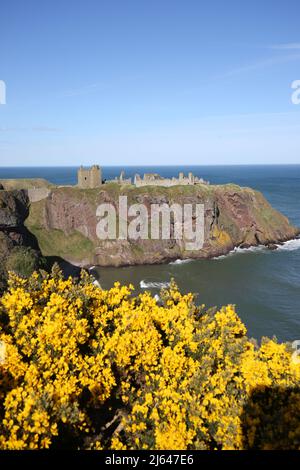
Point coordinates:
pixel 30 129
pixel 45 129
pixel 290 46
pixel 84 90
pixel 262 64
pixel 101 86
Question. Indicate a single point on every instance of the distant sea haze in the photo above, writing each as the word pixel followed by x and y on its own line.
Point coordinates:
pixel 264 285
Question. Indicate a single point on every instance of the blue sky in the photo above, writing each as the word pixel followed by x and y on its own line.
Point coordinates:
pixel 149 82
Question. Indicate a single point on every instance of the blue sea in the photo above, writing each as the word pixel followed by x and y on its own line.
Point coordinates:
pixel 264 285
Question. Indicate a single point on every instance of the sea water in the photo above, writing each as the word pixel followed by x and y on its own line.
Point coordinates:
pixel 264 285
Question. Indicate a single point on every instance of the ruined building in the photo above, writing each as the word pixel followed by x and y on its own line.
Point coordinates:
pixel 153 179
pixel 92 178
pixel 89 177
pixel 121 179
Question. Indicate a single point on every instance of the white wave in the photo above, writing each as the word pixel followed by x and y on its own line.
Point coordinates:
pixel 217 258
pixel 239 250
pixel 96 283
pixel 91 268
pixel 251 249
pixel 181 261
pixel 290 245
pixel 154 285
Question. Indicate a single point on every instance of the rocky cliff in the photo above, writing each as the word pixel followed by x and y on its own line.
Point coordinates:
pixel 64 223
pixel 19 248
pixel 14 209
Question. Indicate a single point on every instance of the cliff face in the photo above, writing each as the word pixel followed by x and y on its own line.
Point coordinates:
pixel 14 209
pixel 65 223
pixel 18 247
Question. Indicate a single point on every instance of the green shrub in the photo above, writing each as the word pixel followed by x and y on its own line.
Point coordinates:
pixel 24 261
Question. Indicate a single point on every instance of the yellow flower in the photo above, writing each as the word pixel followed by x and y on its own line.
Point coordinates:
pixel 110 370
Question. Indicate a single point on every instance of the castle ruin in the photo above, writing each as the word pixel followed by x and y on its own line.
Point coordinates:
pixel 153 179
pixel 121 179
pixel 89 178
pixel 92 178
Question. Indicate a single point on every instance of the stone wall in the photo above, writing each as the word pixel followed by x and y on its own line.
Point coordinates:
pixel 154 179
pixel 121 179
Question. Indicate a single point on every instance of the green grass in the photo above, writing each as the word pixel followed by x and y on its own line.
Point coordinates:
pixel 25 183
pixel 24 260
pixel 36 214
pixel 73 247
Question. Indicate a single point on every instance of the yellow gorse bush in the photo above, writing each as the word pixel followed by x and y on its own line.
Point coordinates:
pixel 92 368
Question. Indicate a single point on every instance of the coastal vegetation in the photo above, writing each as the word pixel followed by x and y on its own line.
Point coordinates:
pixel 21 183
pixel 75 246
pixel 65 223
pixel 86 368
pixel 60 223
pixel 23 260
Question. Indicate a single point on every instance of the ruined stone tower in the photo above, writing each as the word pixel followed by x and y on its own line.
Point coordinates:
pixel 89 177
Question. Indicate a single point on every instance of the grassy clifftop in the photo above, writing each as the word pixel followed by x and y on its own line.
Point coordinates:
pixel 25 183
pixel 65 223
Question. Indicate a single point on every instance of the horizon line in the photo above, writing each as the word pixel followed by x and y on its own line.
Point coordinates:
pixel 152 165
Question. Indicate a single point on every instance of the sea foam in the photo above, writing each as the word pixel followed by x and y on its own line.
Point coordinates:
pixel 181 261
pixel 239 250
pixel 290 245
pixel 154 285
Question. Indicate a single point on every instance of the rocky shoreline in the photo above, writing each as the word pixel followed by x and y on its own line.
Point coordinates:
pixel 65 224
pixel 62 224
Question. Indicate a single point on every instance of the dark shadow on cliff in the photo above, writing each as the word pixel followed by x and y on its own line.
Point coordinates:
pixel 23 256
pixel 22 237
pixel 19 248
pixel 68 269
pixel 271 419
